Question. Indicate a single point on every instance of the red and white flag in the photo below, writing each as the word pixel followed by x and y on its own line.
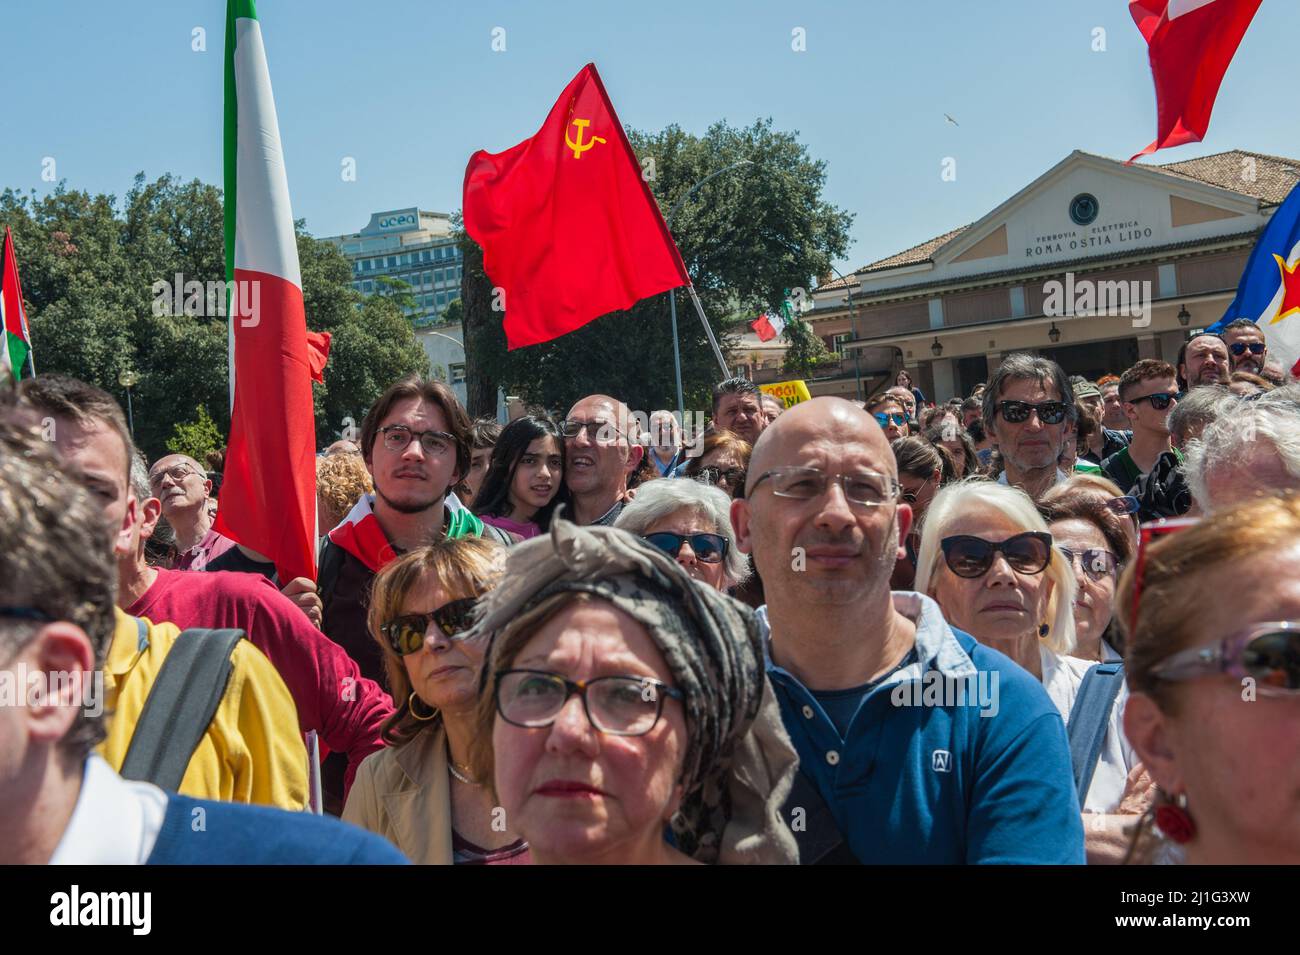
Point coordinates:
pixel 1190 43
pixel 268 491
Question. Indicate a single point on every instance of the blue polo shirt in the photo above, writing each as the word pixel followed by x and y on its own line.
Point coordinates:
pixel 959 757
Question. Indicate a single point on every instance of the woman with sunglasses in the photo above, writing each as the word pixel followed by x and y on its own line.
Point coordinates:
pixel 890 414
pixel 1215 705
pixel 1093 538
pixel 622 700
pixel 722 461
pixel 523 480
pixel 691 523
pixel 419 793
pixel 987 558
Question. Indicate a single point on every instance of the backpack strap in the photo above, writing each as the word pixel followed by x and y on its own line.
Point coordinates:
pixel 185 695
pixel 1089 719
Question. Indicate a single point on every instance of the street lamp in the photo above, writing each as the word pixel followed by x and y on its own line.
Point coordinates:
pixel 1184 316
pixel 936 348
pixel 672 293
pixel 1054 333
pixel 126 378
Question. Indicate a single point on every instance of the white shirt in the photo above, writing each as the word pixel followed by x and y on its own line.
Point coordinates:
pixel 115 821
pixel 1062 677
pixel 1060 476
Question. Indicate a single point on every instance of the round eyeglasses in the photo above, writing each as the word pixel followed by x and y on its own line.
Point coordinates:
pixel 617 705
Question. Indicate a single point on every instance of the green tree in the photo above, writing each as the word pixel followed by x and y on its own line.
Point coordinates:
pixel 91 267
pixel 745 237
pixel 806 350
pixel 196 438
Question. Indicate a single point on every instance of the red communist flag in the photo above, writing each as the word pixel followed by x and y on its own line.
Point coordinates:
pixel 1190 44
pixel 569 228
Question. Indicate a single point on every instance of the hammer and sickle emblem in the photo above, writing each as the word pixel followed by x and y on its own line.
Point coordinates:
pixel 580 147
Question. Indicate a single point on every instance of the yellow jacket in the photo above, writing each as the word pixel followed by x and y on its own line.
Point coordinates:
pixel 403 794
pixel 252 751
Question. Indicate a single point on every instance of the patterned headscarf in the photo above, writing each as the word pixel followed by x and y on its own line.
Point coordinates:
pixel 739 763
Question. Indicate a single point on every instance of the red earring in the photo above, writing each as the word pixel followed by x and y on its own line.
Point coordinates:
pixel 1175 822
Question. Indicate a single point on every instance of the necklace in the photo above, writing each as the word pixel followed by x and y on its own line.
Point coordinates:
pixel 451 765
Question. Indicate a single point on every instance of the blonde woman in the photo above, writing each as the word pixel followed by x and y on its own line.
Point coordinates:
pixel 987 558
pixel 419 793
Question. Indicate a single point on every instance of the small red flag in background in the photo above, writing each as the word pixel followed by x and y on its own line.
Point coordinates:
pixel 763 328
pixel 569 229
pixel 1190 43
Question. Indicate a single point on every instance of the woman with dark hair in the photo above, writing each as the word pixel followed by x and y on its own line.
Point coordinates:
pixel 959 446
pixel 523 481
pixel 923 468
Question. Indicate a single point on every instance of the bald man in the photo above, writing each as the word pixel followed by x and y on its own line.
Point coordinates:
pixel 599 456
pixel 916 744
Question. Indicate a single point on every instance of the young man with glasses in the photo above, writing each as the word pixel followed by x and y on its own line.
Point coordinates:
pixel 415 441
pixel 1246 346
pixel 600 455
pixel 881 781
pixel 1149 391
pixel 1028 409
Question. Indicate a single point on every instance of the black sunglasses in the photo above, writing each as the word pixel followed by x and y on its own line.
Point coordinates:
pixel 708 548
pixel 405 634
pixel 1049 412
pixel 712 474
pixel 1239 348
pixel 1123 505
pixel 1097 563
pixel 1160 400
pixel 971 557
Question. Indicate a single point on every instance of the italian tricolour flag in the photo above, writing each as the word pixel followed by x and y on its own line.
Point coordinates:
pixel 17 344
pixel 268 493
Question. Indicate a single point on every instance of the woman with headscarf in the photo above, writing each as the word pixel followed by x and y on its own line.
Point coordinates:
pixel 620 696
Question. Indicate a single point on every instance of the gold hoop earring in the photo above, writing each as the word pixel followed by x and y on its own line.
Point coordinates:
pixel 410 705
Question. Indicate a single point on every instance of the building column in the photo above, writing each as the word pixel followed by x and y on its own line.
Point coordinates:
pixel 993 359
pixel 1170 344
pixel 1148 347
pixel 924 379
pixel 945 384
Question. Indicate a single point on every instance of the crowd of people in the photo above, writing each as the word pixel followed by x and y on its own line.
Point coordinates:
pixel 982 631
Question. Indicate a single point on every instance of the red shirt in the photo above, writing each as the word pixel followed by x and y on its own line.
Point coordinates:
pixel 345 709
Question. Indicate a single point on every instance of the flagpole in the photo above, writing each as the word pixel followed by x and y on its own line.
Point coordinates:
pixel 672 295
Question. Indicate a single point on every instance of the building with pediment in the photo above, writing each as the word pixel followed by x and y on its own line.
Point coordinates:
pixel 1095 264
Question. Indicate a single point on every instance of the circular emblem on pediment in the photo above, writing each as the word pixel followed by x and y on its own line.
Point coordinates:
pixel 1083 208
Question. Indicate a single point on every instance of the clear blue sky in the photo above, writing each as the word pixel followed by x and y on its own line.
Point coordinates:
pixel 411 89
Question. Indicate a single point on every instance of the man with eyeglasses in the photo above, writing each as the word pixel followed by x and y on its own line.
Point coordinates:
pixel 887 776
pixel 182 486
pixel 415 441
pixel 1247 349
pixel 1149 391
pixel 1029 409
pixel 600 453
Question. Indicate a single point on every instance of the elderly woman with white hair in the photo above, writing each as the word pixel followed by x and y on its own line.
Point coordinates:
pixel 987 558
pixel 691 523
